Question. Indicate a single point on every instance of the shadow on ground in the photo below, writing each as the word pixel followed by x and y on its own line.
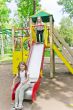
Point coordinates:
pixel 54 94
pixel 59 88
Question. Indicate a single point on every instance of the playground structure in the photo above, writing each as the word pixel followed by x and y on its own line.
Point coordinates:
pixel 34 56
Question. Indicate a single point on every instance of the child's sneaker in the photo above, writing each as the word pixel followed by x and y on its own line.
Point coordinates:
pixel 13 108
pixel 16 106
pixel 20 107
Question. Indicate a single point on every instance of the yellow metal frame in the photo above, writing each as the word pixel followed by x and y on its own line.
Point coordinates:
pixel 17 57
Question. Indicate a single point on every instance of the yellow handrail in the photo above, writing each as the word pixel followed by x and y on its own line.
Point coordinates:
pixel 62 58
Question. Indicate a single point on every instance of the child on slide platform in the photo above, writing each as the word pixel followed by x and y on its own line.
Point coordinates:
pixel 39 29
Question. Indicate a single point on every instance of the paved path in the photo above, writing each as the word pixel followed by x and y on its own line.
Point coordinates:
pixel 54 94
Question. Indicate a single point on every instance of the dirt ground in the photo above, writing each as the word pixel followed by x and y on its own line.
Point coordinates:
pixel 54 94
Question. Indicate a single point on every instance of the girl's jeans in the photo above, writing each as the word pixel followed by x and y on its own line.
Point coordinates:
pixel 19 95
pixel 40 33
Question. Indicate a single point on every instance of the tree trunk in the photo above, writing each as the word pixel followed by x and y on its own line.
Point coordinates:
pixel 34 6
pixel 2 46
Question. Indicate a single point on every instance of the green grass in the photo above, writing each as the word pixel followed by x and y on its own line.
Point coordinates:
pixel 47 53
pixel 6 57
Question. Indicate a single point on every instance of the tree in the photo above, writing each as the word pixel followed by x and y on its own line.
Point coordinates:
pixel 66 30
pixel 4 13
pixel 4 18
pixel 67 6
pixel 25 9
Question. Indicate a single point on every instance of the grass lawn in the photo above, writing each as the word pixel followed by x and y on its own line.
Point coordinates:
pixel 6 57
pixel 47 53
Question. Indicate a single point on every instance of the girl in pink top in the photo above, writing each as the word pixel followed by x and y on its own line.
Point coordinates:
pixel 39 29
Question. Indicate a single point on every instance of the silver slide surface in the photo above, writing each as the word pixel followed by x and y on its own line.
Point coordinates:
pixel 34 65
pixel 35 61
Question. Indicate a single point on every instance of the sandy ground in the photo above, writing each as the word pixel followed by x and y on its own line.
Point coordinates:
pixel 54 94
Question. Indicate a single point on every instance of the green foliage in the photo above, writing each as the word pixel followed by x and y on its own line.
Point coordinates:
pixel 25 9
pixel 4 13
pixel 66 30
pixel 67 6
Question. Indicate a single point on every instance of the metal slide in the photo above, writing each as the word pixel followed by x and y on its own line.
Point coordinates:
pixel 34 67
pixel 35 61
